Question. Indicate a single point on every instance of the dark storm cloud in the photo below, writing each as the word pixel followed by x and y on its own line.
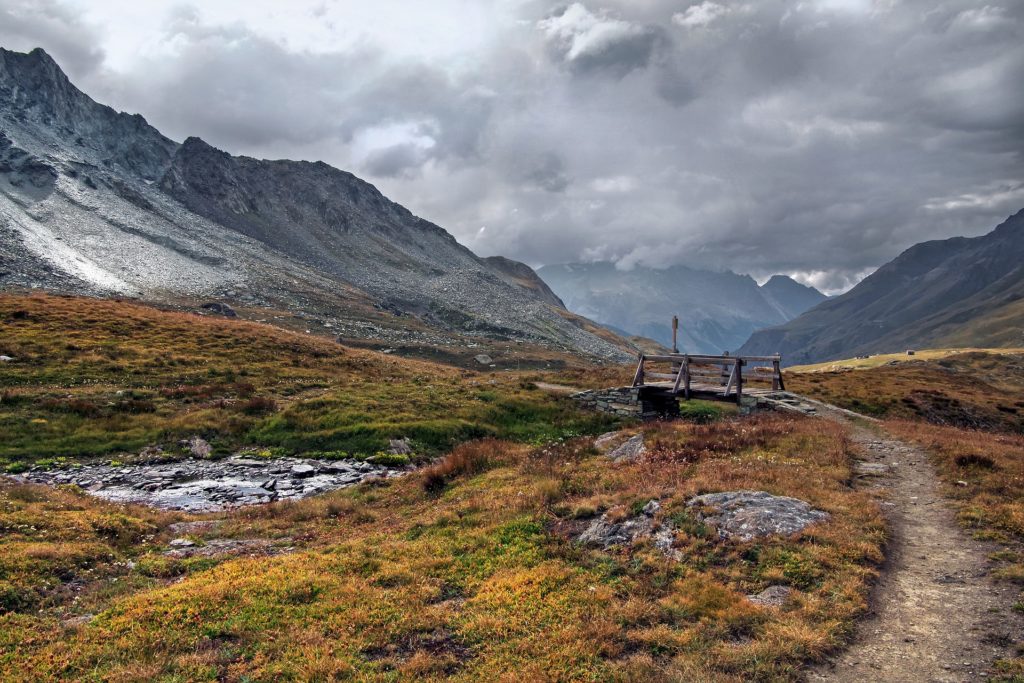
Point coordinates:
pixel 818 137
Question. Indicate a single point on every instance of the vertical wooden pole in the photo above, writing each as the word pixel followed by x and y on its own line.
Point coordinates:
pixel 775 375
pixel 686 376
pixel 638 378
pixel 739 380
pixel 675 334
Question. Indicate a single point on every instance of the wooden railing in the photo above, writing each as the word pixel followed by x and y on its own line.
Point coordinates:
pixel 720 375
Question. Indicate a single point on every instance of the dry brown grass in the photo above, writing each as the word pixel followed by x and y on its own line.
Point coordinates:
pixel 971 390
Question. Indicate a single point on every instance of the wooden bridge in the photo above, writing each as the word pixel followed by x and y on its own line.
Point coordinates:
pixel 717 378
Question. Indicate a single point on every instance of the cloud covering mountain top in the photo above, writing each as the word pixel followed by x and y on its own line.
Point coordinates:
pixel 817 138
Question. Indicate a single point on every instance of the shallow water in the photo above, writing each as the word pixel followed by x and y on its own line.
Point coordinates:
pixel 195 485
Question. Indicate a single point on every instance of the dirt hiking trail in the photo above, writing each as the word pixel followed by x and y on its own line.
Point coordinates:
pixel 935 615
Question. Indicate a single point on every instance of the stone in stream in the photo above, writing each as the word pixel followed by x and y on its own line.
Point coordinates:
pixel 746 515
pixel 303 471
pixel 204 485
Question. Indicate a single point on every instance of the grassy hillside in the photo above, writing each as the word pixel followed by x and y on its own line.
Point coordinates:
pixel 99 378
pixel 466 570
pixel 972 389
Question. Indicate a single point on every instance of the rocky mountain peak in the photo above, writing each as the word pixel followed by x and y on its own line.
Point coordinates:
pixel 130 211
pixel 37 95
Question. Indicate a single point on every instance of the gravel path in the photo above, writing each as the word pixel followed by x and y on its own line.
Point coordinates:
pixel 936 616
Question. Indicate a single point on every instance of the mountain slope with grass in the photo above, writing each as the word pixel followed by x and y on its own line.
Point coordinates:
pixel 91 378
pixel 97 202
pixel 955 292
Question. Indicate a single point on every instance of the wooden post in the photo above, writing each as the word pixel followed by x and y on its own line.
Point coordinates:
pixel 686 377
pixel 675 334
pixel 726 375
pixel 739 380
pixel 778 372
pixel 776 375
pixel 638 378
pixel 732 380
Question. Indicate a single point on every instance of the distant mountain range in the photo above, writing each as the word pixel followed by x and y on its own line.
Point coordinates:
pixel 100 202
pixel 717 310
pixel 945 293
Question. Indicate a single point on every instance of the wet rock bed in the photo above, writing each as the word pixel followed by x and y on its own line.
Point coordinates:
pixel 197 485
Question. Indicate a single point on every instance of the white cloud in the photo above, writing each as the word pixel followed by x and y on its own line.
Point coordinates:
pixel 586 32
pixel 700 16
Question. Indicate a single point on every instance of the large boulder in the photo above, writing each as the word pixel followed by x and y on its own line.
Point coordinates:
pixel 746 515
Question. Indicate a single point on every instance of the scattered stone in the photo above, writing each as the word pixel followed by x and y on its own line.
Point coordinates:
pixel 871 469
pixel 630 450
pixel 182 543
pixel 746 515
pixel 220 308
pixel 197 447
pixel 303 471
pixel 606 533
pixel 5 359
pixel 772 596
pixel 400 447
pixel 150 452
pixel 604 442
pixel 269 485
pixel 483 359
pixel 221 547
pixel 75 622
pixel 961 482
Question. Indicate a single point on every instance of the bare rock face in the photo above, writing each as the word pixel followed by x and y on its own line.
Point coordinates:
pixel 746 515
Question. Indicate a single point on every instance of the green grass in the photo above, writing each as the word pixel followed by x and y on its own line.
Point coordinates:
pixel 99 378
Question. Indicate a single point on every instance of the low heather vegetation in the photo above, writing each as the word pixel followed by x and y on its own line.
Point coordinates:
pixel 479 574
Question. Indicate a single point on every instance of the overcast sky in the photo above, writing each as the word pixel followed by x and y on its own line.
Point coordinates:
pixel 817 138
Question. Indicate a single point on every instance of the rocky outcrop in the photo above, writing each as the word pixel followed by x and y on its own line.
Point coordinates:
pixel 772 596
pixel 746 515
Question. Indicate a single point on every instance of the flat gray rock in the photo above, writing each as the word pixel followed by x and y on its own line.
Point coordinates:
pixel 631 449
pixel 746 515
